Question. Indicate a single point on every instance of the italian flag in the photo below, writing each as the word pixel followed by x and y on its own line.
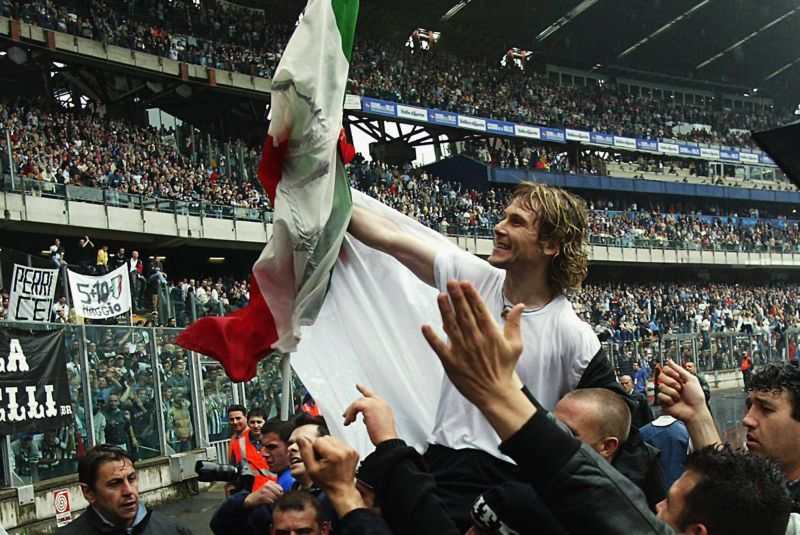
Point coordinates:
pixel 302 171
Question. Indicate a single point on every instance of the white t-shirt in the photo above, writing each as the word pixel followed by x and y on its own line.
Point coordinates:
pixel 557 347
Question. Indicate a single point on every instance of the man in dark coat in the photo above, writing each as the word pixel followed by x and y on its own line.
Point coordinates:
pixel 110 484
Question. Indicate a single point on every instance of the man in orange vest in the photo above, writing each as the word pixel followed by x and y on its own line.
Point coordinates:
pixel 248 446
pixel 237 420
pixel 747 370
pixel 309 406
pixel 657 369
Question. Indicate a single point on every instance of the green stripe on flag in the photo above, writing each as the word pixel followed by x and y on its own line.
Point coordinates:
pixel 337 223
pixel 346 13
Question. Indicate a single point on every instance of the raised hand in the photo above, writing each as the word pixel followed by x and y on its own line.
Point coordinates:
pixel 481 356
pixel 377 416
pixel 682 397
pixel 680 393
pixel 265 495
pixel 331 464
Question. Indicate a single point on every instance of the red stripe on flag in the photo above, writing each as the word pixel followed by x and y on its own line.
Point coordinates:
pixel 239 340
pixel 270 168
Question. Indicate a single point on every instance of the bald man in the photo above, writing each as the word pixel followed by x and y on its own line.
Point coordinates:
pixel 602 420
pixel 641 414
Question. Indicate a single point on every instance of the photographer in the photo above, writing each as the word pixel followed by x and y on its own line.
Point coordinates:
pixel 251 512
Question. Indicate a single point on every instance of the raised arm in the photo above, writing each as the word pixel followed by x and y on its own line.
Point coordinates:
pixel 380 233
pixel 682 397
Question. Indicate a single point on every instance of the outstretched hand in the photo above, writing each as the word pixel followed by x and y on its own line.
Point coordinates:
pixel 481 356
pixel 377 416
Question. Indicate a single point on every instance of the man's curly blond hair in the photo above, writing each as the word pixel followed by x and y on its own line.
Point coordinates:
pixel 562 221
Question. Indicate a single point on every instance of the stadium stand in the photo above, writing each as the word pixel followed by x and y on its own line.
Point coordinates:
pixel 131 385
pixel 206 34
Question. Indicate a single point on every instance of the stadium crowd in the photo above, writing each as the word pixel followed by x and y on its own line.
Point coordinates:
pixel 56 148
pixel 206 33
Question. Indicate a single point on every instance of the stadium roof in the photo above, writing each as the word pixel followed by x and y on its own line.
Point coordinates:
pixel 743 43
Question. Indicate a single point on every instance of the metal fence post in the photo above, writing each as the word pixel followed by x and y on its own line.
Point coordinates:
pixel 200 428
pixel 159 402
pixel 87 387
pixel 286 386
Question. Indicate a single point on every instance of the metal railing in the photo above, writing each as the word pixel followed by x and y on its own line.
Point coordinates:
pixel 144 203
pixel 175 400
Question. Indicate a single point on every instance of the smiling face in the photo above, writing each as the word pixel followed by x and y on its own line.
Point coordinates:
pixel 115 493
pixel 516 239
pixel 772 432
pixel 237 421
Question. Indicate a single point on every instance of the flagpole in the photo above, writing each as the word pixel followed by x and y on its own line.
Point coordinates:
pixel 286 386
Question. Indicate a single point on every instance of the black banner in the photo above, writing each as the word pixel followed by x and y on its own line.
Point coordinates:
pixel 34 389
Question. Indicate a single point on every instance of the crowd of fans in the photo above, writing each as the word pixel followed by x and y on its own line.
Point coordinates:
pixel 56 148
pixel 212 34
pixel 225 36
pixel 450 207
pixel 123 404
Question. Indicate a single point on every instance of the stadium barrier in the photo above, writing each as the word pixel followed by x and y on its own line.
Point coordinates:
pixel 173 401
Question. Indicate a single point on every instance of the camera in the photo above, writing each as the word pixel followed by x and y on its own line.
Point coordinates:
pixel 241 475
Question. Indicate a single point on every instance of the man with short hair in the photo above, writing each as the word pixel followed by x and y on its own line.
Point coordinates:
pixel 310 427
pixel 298 512
pixel 597 417
pixel 602 420
pixel 772 420
pixel 110 484
pixel 119 431
pixel 691 368
pixel 640 377
pixel 275 442
pixel 237 420
pixel 642 414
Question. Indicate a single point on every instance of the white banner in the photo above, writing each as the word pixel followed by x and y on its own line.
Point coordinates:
pixel 32 292
pixel 101 297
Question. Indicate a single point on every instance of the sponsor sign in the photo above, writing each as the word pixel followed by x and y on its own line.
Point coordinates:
pixel 711 154
pixel 601 139
pixel 668 148
pixel 551 134
pixel 443 117
pixel 62 507
pixel 625 142
pixel 352 102
pixel 730 155
pixel 412 112
pixel 747 157
pixel 500 127
pixel 689 150
pixel 471 123
pixel 379 107
pixel 577 135
pixel 532 132
pixel 647 144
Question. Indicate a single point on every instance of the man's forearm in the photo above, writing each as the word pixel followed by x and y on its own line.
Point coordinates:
pixel 384 235
pixel 703 431
pixel 508 411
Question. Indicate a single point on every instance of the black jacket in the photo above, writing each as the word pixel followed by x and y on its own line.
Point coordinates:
pixel 153 523
pixel 582 491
